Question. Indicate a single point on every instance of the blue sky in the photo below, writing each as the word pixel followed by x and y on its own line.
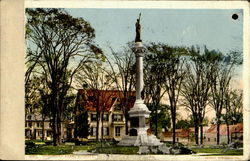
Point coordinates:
pixel 214 28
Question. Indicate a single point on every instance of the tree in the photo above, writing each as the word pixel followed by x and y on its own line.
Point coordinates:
pixel 81 119
pixel 97 79
pixel 154 80
pixel 233 109
pixel 58 46
pixel 196 88
pixel 222 67
pixel 172 65
pixel 122 65
pixel 161 120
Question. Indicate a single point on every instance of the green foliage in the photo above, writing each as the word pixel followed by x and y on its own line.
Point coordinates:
pixel 162 117
pixel 127 150
pixel 58 46
pixel 182 124
pixel 82 125
pixel 218 151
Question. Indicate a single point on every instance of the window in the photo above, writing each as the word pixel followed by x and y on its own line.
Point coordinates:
pixel 93 117
pixel 105 131
pixel 30 124
pixel 117 117
pixel 93 131
pixel 105 117
pixel 25 124
pixel 214 139
pixel 49 133
pixel 37 124
pixel 208 139
pixel 117 131
pixel 29 117
pixel 39 133
pixel 177 139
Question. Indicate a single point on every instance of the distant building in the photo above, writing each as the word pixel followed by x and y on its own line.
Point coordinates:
pixel 34 128
pixel 112 117
pixel 182 136
pixel 186 136
pixel 235 133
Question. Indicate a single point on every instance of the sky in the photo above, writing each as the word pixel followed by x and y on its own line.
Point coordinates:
pixel 214 28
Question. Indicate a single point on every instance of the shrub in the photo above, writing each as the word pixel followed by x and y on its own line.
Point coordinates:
pixel 48 142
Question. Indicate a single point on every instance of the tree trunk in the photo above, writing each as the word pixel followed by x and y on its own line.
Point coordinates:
pixel 174 126
pixel 201 134
pixel 156 122
pixel 43 130
pixel 97 125
pixel 196 133
pixel 54 129
pixel 102 129
pixel 228 137
pixel 126 121
pixel 218 133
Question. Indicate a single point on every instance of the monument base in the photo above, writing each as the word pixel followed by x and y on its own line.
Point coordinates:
pixel 140 140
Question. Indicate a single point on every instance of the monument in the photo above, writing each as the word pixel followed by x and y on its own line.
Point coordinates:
pixel 139 114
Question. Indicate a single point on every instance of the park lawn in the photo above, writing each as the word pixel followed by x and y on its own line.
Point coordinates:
pixel 218 151
pixel 42 149
pixel 127 150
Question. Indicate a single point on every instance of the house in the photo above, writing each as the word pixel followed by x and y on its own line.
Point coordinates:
pixel 235 133
pixel 182 135
pixel 112 117
pixel 186 136
pixel 34 128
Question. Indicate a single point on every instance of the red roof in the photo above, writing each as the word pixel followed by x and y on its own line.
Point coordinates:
pixel 178 133
pixel 104 99
pixel 238 128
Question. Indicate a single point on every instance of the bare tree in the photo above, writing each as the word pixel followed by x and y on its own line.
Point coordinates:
pixel 196 87
pixel 97 79
pixel 233 109
pixel 122 65
pixel 222 67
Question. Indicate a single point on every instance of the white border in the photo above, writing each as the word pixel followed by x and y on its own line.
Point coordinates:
pixel 112 4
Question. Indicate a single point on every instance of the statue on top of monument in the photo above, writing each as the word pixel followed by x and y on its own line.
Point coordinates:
pixel 138 30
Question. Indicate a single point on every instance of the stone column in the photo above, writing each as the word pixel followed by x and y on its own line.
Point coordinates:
pixel 139 53
pixel 140 110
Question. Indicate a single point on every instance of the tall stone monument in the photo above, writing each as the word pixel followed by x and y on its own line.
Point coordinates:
pixel 139 114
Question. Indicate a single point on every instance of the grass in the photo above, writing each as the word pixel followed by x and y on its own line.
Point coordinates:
pixel 42 149
pixel 127 150
pixel 218 151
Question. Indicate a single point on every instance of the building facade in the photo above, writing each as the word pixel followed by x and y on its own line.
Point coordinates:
pixel 111 112
pixel 34 129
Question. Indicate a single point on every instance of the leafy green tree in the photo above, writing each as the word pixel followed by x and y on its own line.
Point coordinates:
pixel 58 46
pixel 170 62
pixel 162 118
pixel 81 120
pixel 182 124
pixel 153 80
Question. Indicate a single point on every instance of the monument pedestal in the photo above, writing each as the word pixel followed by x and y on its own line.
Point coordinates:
pixel 139 114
